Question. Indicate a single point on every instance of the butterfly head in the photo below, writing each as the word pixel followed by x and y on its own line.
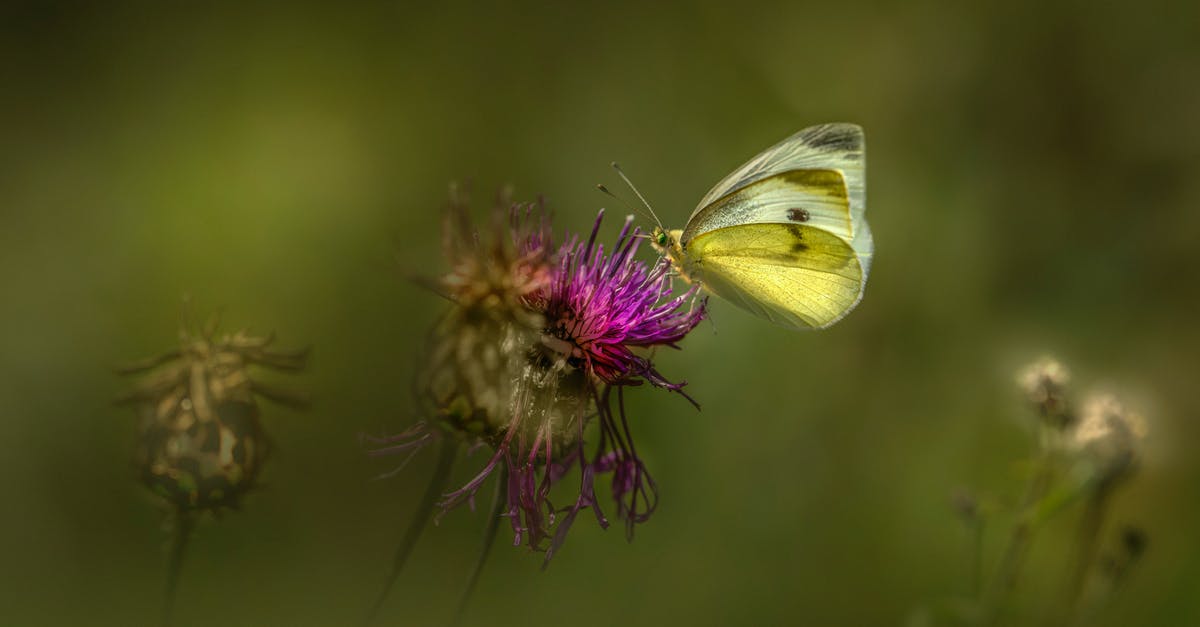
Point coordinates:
pixel 661 239
pixel 667 243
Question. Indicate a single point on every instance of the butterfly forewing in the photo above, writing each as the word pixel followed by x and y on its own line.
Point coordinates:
pixel 837 146
pixel 815 198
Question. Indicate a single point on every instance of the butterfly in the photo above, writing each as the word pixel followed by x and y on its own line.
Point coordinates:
pixel 784 236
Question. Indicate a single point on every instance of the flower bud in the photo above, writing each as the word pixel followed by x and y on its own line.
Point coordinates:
pixel 201 445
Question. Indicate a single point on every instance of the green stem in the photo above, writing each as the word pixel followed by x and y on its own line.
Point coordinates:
pixel 184 524
pixel 437 485
pixel 499 500
pixel 1019 541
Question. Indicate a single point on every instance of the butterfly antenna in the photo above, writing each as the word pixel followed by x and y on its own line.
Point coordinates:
pixel 642 198
pixel 624 202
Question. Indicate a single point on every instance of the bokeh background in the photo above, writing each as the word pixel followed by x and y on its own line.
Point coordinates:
pixel 1034 177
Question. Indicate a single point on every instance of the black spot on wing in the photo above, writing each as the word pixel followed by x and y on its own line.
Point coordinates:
pixel 798 214
pixel 798 245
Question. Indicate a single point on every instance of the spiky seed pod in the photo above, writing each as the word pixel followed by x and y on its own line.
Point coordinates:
pixel 201 444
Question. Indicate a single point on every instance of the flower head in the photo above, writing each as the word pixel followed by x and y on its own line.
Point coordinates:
pixel 539 343
pixel 600 308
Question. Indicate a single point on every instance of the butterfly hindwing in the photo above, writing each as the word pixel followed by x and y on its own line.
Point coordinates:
pixel 795 275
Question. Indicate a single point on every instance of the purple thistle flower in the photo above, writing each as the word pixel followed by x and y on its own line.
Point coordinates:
pixel 539 344
pixel 603 307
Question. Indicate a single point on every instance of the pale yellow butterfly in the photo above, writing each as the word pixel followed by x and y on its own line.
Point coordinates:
pixel 784 236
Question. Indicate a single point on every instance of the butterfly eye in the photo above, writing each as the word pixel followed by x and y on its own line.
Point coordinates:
pixel 661 238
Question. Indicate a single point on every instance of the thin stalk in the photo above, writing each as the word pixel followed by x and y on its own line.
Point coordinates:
pixel 184 524
pixel 437 485
pixel 1022 534
pixel 499 501
pixel 977 559
pixel 1086 548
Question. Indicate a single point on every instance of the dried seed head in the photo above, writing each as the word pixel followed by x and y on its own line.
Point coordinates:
pixel 1108 436
pixel 201 445
pixel 1044 384
pixel 492 274
pixel 484 359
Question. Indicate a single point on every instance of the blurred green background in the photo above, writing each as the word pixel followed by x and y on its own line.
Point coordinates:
pixel 1033 184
